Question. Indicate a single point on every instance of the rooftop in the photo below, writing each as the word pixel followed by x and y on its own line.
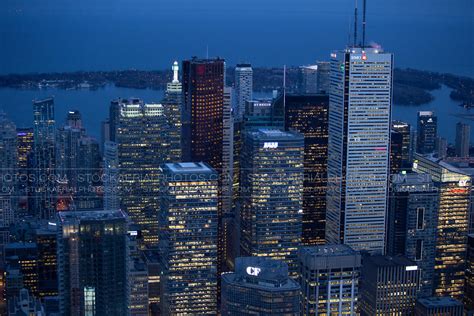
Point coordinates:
pixel 388 261
pixel 275 134
pixel 328 250
pixel 189 167
pixel 432 302
pixel 91 215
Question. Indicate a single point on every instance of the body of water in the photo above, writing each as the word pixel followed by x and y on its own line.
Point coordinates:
pixel 94 106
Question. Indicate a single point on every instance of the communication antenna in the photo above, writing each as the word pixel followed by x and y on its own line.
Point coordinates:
pixel 364 22
pixel 355 23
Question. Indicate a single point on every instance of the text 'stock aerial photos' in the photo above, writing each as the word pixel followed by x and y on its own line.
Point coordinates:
pixel 246 157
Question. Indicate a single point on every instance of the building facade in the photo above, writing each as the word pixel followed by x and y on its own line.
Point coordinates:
pixel 259 286
pixel 359 146
pixel 427 132
pixel 243 87
pixel 188 225
pixel 329 279
pixel 93 263
pixel 272 191
pixel 463 138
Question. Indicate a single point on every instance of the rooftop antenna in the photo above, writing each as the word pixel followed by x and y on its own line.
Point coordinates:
pixel 364 22
pixel 355 24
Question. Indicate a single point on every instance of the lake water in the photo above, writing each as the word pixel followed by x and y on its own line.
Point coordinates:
pixel 94 106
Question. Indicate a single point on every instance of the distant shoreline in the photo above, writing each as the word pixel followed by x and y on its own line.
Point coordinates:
pixel 411 87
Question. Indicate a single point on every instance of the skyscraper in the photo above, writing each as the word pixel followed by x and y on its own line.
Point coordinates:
pixel 142 148
pixel 329 279
pixel 272 191
pixel 441 147
pixel 469 291
pixel 45 238
pixel 25 142
pixel 396 152
pixel 308 81
pixel 111 176
pixel 359 144
pixel 308 115
pixel 8 173
pixel 93 263
pixel 389 286
pixel 454 187
pixel 407 142
pixel 243 87
pixel 463 136
pixel 412 222
pixel 324 71
pixel 188 225
pixel 44 197
pixel 427 132
pixel 259 286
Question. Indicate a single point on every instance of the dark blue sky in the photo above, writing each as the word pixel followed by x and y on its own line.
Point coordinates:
pixel 65 35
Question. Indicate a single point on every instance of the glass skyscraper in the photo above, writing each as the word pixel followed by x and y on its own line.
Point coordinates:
pixel 243 87
pixel 188 224
pixel 93 263
pixel 427 132
pixel 272 195
pixel 359 143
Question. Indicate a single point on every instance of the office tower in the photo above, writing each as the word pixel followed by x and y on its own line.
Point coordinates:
pixel 152 260
pixel 396 152
pixel 258 113
pixel 463 136
pixel 454 188
pixel 308 115
pixel 272 192
pixel 407 142
pixel 441 147
pixel 469 290
pixel 436 306
pixel 93 263
pixel 111 176
pixel 329 279
pixel 8 173
pixel 259 286
pixel 46 243
pixel 412 222
pixel 243 87
pixel 358 151
pixel 188 225
pixel 202 117
pixel 23 257
pixel 89 162
pixel 137 276
pixel 172 104
pixel 308 81
pixel 25 139
pixel 388 286
pixel 44 197
pixel 324 71
pixel 427 132
pixel 114 115
pixel 142 148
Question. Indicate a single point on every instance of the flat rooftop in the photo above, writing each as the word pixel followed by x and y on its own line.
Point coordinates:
pixel 387 261
pixel 91 215
pixel 433 302
pixel 328 250
pixel 189 168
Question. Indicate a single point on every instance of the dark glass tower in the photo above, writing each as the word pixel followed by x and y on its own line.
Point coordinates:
pixel 308 115
pixel 427 132
pixel 92 263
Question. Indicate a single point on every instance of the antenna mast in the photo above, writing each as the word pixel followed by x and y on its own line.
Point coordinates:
pixel 364 22
pixel 355 24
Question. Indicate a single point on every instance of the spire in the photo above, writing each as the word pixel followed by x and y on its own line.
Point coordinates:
pixel 175 72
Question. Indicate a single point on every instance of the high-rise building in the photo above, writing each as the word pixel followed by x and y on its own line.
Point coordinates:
pixel 454 188
pixel 469 290
pixel 389 286
pixel 412 222
pixel 272 191
pixel 104 133
pixel 46 243
pixel 23 256
pixel 259 286
pixel 93 263
pixel 243 87
pixel 396 152
pixel 8 173
pixel 172 104
pixel 308 79
pixel 188 225
pixel 25 139
pixel 142 148
pixel 44 197
pixel 111 176
pixel 463 137
pixel 324 71
pixel 359 145
pixel 436 306
pixel 329 279
pixel 407 142
pixel 441 147
pixel 427 132
pixel 308 115
pixel 202 116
